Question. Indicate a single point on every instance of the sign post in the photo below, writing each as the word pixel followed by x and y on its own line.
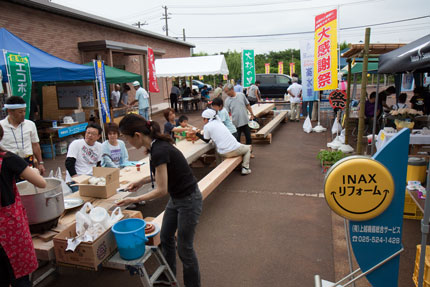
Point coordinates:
pixel 248 68
pixel 370 192
pixel 19 77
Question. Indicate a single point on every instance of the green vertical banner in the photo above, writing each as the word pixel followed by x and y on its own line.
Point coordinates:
pixel 248 68
pixel 19 76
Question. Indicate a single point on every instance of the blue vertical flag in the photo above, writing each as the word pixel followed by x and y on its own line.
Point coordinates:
pixel 99 69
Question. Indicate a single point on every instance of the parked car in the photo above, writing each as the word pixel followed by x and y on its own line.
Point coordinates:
pixel 200 84
pixel 273 85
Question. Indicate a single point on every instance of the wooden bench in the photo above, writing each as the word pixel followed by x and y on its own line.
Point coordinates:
pixel 211 180
pixel 264 134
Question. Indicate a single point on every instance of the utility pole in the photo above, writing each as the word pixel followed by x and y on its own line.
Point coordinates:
pixel 166 17
pixel 138 24
pixel 183 34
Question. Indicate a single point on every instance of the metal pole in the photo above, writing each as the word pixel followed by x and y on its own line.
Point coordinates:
pixel 425 232
pixel 317 281
pixel 147 83
pixel 363 92
pixel 348 246
pixel 348 101
pixel 375 116
pixel 371 269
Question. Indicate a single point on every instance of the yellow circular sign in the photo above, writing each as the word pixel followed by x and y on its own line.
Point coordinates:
pixel 358 188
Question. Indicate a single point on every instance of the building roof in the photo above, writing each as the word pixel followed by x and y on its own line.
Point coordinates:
pixel 356 50
pixel 48 6
pixel 116 46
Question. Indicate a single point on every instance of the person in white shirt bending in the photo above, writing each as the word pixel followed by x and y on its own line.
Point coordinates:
pixel 226 144
pixel 295 92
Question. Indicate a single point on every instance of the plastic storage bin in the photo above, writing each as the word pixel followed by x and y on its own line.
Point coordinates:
pixel 411 210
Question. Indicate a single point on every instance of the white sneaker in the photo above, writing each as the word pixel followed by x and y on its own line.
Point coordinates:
pixel 246 171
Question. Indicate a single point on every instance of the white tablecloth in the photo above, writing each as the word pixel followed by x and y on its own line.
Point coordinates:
pixel 419 139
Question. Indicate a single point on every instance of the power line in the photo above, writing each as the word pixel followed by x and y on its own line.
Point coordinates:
pixel 234 6
pixel 272 11
pixel 305 32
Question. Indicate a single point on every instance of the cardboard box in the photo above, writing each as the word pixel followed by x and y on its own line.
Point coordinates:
pixel 101 191
pixel 89 255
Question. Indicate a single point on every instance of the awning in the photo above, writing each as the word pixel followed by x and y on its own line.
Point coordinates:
pixel 356 50
pixel 357 67
pixel 114 75
pixel 44 67
pixel 414 57
pixel 191 66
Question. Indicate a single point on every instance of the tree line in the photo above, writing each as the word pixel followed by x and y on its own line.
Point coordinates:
pixel 234 64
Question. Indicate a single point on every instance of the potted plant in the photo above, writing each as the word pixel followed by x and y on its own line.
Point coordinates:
pixel 404 118
pixel 329 157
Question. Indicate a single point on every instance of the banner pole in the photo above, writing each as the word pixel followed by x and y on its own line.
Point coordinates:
pixel 147 84
pixel 98 102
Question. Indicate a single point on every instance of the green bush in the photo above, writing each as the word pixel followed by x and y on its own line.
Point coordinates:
pixel 330 155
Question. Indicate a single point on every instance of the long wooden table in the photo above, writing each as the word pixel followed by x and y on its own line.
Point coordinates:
pixel 262 109
pixel 191 151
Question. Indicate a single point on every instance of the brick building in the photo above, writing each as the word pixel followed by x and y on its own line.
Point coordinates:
pixel 79 37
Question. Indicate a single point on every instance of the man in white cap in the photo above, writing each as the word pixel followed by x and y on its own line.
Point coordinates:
pixel 20 135
pixel 226 144
pixel 143 98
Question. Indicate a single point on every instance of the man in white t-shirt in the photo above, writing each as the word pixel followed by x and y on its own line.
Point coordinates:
pixel 226 144
pixel 115 96
pixel 295 92
pixel 143 98
pixel 20 135
pixel 84 154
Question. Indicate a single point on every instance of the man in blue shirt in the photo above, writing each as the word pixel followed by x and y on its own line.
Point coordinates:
pixel 238 88
pixel 143 98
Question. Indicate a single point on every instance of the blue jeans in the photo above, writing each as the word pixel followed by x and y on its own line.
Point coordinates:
pixel 144 113
pixel 182 214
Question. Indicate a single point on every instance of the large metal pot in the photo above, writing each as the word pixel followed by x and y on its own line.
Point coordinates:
pixel 42 204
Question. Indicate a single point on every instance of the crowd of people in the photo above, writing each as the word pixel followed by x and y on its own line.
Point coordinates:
pixel 420 101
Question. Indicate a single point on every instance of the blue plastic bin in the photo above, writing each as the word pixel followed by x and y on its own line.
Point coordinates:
pixel 130 238
pixel 46 151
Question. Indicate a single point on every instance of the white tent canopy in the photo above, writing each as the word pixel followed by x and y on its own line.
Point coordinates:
pixel 191 66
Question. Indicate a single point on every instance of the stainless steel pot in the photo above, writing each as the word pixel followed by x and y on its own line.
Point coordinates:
pixel 42 204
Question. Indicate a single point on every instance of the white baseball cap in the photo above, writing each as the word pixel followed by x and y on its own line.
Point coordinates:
pixel 136 83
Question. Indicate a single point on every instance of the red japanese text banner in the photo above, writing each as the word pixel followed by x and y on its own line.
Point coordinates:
pixel 153 84
pixel 325 64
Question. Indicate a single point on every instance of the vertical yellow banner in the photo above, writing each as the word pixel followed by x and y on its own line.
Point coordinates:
pixel 225 77
pixel 201 78
pixel 325 56
pixel 267 68
pixel 292 69
pixel 280 67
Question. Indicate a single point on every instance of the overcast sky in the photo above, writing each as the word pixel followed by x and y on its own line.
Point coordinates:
pixel 221 18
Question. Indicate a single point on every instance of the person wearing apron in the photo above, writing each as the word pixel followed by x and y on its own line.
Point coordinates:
pixel 173 176
pixel 17 255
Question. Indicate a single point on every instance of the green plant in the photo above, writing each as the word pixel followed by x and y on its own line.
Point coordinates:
pixel 331 156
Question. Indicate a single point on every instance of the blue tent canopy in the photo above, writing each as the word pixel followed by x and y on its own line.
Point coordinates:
pixel 44 67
